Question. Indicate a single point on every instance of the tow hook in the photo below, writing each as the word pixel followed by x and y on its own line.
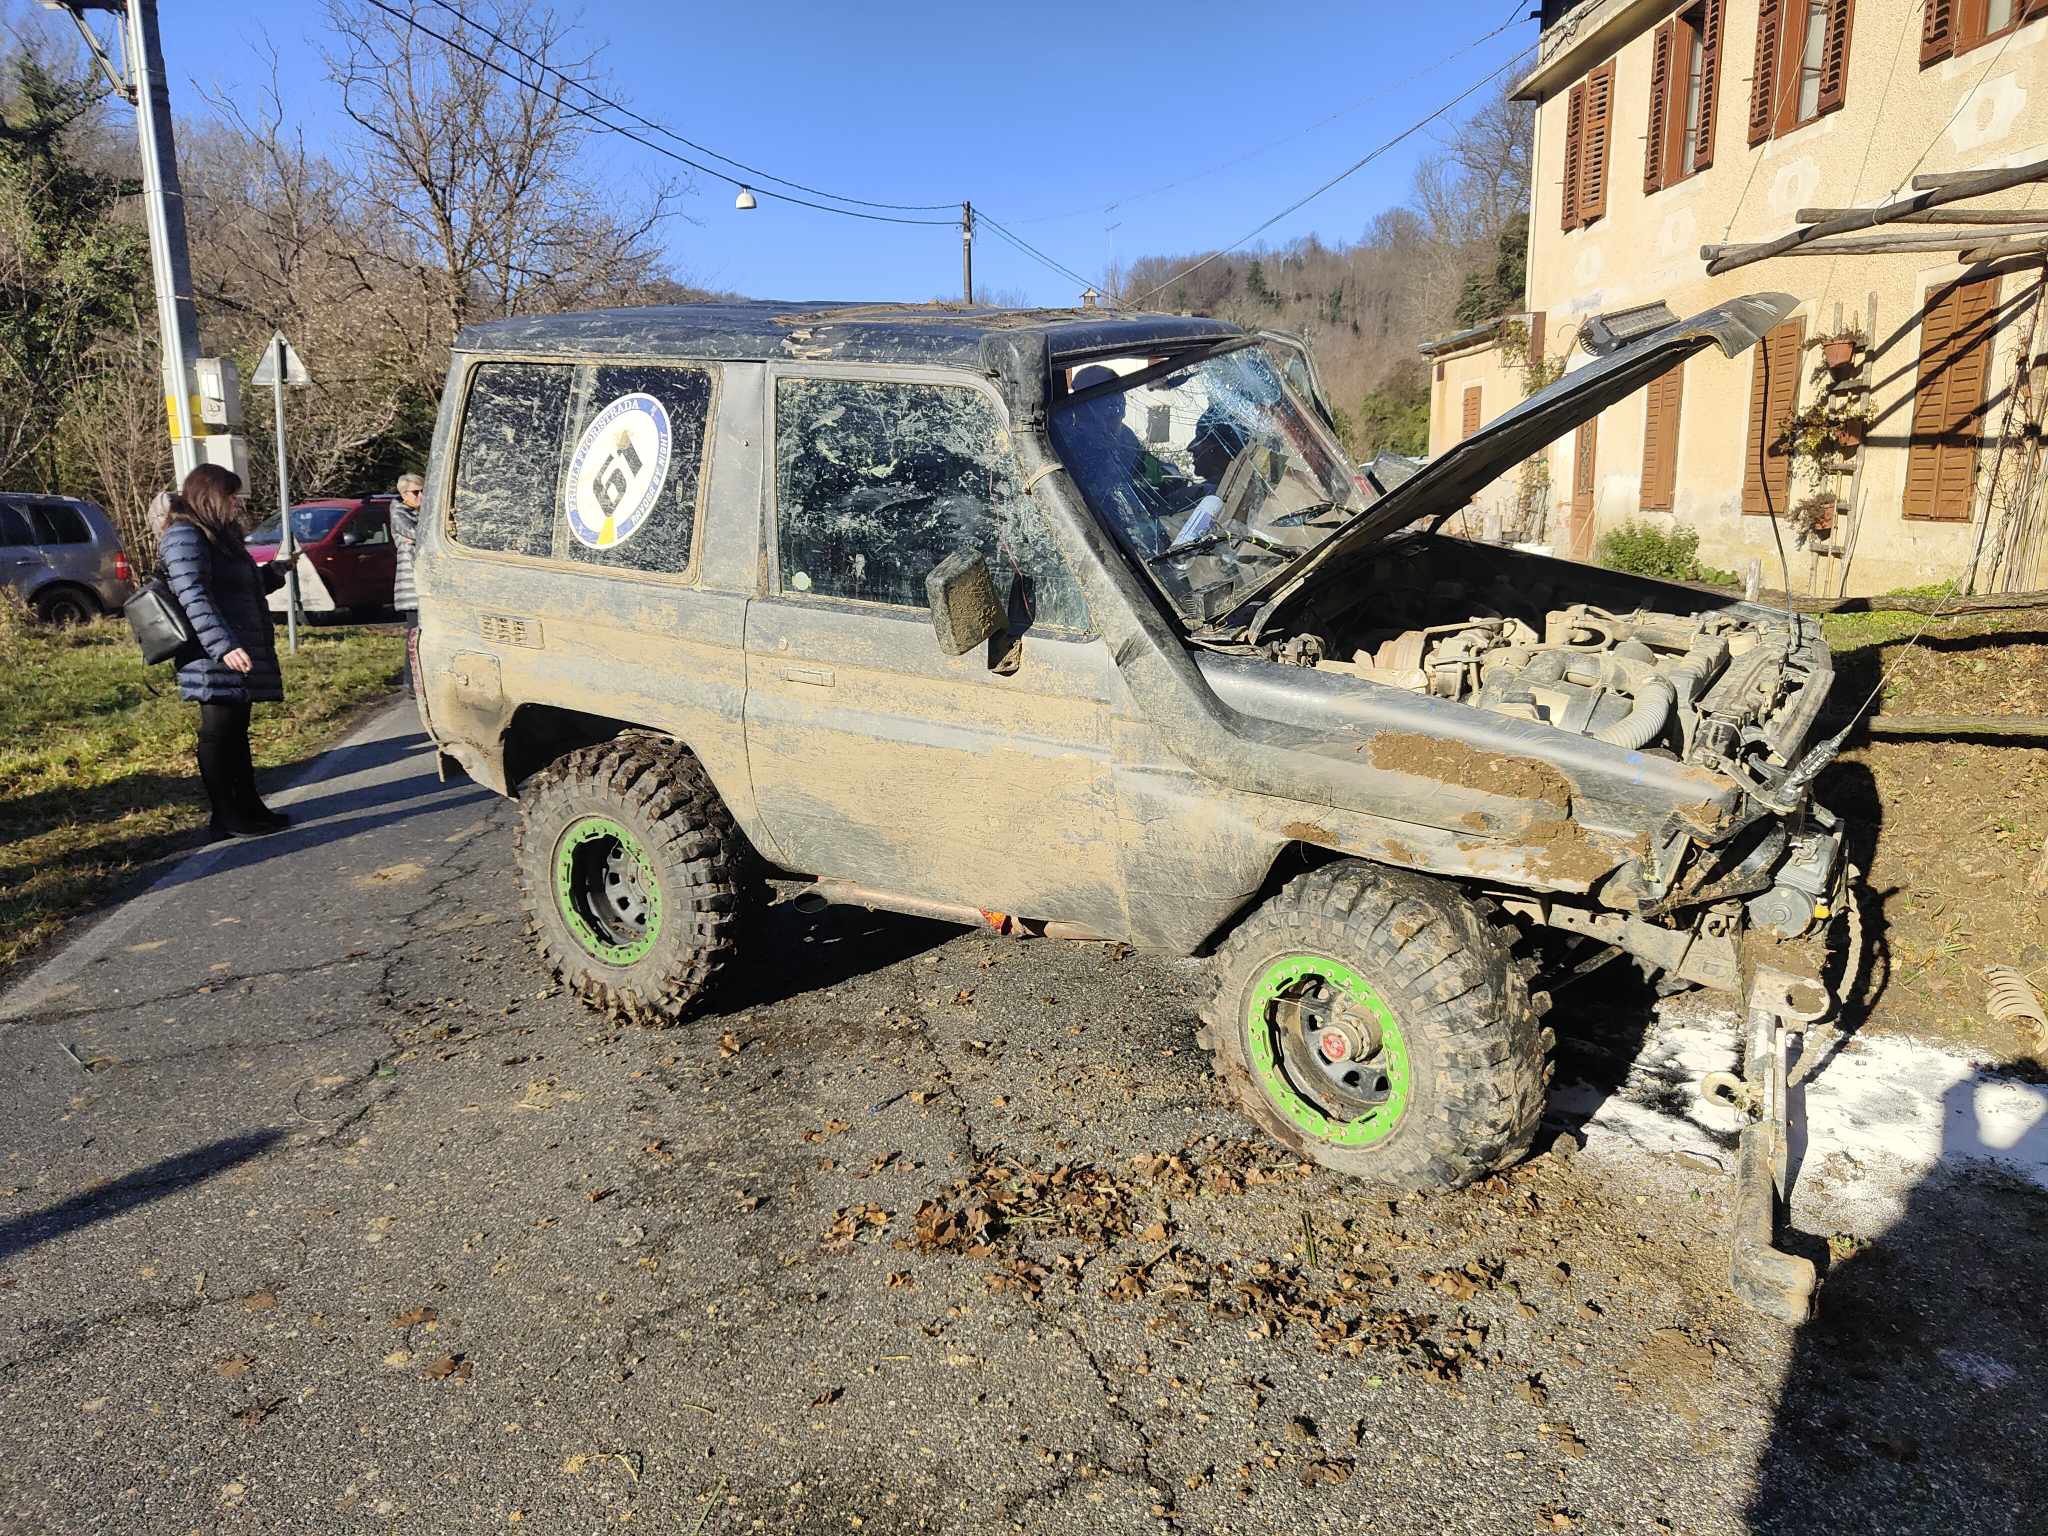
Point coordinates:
pixel 1780 1006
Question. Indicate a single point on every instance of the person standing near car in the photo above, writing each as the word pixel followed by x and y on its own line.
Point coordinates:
pixel 405 530
pixel 234 660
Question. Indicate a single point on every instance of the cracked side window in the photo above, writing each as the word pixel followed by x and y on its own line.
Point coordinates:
pixel 876 483
pixel 508 459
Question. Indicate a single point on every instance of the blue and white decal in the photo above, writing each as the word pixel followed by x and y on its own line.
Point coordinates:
pixel 619 471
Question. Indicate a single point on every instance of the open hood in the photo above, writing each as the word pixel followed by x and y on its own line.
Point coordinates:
pixel 1454 476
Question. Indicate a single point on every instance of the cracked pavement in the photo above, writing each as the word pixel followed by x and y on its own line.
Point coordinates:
pixel 322 1209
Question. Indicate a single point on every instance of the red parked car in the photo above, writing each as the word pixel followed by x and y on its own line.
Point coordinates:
pixel 347 541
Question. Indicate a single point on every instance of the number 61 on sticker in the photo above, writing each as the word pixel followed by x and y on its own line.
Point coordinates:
pixel 618 472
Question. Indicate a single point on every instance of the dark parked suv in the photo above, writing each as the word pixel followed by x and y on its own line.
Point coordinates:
pixel 63 556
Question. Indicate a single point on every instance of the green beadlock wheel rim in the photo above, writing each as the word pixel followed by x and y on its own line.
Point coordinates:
pixel 1363 1117
pixel 606 890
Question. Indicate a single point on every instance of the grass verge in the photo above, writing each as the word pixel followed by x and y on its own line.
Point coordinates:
pixel 97 775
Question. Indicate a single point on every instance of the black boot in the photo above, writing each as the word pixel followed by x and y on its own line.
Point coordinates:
pixel 224 770
pixel 251 801
pixel 219 772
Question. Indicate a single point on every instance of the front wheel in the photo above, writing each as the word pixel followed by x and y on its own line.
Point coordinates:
pixel 1378 1023
pixel 633 872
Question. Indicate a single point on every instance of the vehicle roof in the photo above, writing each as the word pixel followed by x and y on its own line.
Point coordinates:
pixel 754 329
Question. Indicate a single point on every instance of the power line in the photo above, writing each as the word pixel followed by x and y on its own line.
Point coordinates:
pixel 1352 169
pixel 668 132
pixel 1272 144
pixel 609 126
pixel 1030 250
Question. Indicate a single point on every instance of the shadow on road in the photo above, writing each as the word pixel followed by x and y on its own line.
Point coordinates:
pixel 104 1201
pixel 821 949
pixel 1913 1398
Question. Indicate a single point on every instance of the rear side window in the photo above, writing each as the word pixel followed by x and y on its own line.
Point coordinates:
pixel 595 464
pixel 508 459
pixel 56 523
pixel 876 483
pixel 630 493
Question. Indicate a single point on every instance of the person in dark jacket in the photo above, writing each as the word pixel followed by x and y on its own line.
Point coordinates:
pixel 234 656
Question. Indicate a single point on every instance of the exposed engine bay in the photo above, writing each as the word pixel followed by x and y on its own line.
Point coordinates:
pixel 1725 689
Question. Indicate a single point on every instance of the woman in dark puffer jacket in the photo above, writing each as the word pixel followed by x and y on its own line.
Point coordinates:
pixel 234 660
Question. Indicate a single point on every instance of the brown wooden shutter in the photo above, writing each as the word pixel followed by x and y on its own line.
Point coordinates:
pixel 1710 74
pixel 1763 85
pixel 1660 442
pixel 1574 151
pixel 1660 108
pixel 1598 133
pixel 1834 55
pixel 1471 422
pixel 1579 522
pixel 1773 398
pixel 1536 337
pixel 1937 31
pixel 1948 400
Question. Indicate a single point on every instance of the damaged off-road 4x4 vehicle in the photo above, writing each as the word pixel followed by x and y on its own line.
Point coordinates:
pixel 1082 625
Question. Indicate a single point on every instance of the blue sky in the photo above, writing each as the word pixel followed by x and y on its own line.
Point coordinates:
pixel 1028 110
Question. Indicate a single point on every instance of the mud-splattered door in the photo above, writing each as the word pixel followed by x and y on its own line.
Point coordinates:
pixel 875 757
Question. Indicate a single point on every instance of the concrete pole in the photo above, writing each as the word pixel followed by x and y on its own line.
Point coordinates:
pixel 967 253
pixel 163 202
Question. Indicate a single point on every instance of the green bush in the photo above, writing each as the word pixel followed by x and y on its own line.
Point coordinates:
pixel 1644 549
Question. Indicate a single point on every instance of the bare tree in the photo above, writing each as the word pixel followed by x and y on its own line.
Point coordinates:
pixel 471 156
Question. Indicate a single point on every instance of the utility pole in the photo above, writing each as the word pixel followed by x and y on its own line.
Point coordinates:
pixel 163 201
pixel 967 253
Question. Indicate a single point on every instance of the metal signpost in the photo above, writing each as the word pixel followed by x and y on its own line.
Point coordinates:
pixel 281 367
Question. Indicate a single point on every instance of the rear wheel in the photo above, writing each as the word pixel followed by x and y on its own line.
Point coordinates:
pixel 66 605
pixel 1378 1023
pixel 633 872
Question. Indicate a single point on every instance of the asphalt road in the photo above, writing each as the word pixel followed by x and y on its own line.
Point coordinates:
pixel 322 1210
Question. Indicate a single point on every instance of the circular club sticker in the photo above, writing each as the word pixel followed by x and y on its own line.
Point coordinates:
pixel 620 467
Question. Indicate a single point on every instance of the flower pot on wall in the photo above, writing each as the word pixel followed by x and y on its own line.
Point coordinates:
pixel 1838 352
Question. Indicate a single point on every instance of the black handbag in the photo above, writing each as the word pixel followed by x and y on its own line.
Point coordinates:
pixel 158 620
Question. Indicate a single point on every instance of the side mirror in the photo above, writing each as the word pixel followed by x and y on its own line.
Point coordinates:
pixel 965 609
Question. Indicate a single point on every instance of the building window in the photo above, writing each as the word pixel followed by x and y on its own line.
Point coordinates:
pixel 1948 400
pixel 1588 127
pixel 1773 399
pixel 1660 441
pixel 1802 64
pixel 1685 69
pixel 1470 424
pixel 1949 27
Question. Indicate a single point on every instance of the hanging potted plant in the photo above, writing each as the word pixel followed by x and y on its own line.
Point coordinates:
pixel 1839 351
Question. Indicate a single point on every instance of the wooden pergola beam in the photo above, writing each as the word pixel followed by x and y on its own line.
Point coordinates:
pixel 2003 249
pixel 1883 241
pixel 1952 188
pixel 1937 216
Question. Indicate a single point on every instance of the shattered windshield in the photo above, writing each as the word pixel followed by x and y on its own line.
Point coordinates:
pixel 1213 477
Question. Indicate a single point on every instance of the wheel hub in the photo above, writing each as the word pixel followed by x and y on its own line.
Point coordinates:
pixel 1327 1050
pixel 606 890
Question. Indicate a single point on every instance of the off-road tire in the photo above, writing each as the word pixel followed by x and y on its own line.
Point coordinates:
pixel 1446 971
pixel 659 795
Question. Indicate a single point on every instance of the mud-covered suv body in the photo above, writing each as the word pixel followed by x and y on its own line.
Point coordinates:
pixel 707 531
